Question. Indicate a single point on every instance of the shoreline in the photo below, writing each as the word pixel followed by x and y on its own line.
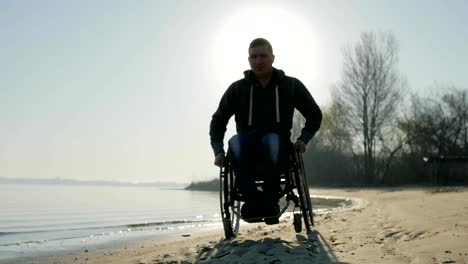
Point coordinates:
pixel 396 225
pixel 86 245
pixel 99 238
pixel 108 248
pixel 327 204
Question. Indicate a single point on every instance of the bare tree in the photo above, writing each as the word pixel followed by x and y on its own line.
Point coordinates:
pixel 438 126
pixel 369 92
pixel 457 104
pixel 390 145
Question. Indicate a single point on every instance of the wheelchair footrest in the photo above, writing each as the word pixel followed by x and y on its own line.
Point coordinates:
pixel 268 220
pixel 254 213
pixel 254 220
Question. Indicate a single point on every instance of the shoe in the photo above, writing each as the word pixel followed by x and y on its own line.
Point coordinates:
pixel 270 210
pixel 272 214
pixel 249 210
pixel 272 221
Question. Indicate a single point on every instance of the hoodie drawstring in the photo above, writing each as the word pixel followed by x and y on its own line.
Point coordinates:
pixel 276 103
pixel 250 105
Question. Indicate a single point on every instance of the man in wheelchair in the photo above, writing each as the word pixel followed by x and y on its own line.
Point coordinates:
pixel 263 104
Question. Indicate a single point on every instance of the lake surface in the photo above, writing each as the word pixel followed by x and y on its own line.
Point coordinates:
pixel 37 219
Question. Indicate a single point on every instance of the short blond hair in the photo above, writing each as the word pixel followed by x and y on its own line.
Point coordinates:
pixel 261 42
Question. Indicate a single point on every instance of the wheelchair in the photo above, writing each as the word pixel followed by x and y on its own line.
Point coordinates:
pixel 294 187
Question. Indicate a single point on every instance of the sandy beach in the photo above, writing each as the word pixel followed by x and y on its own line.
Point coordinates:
pixel 394 225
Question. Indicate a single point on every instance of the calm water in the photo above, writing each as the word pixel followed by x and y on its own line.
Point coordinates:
pixel 37 219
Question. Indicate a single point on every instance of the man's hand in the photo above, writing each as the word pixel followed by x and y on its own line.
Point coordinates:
pixel 219 160
pixel 300 146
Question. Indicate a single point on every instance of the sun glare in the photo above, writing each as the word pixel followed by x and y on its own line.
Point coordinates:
pixel 291 38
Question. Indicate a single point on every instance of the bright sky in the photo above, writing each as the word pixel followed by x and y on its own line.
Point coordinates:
pixel 125 90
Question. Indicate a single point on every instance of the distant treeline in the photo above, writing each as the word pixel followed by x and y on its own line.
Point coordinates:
pixel 376 132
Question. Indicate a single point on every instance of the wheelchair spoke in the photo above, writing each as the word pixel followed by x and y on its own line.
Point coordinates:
pixel 229 206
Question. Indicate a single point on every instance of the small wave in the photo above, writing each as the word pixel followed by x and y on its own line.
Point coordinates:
pixel 41 241
pixel 24 243
pixel 97 231
pixel 7 233
pixel 175 222
pixel 125 226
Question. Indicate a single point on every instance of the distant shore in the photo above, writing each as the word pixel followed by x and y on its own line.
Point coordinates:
pixel 59 181
pixel 398 225
pixel 211 185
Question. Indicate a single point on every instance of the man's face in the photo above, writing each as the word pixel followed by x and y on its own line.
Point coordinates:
pixel 261 60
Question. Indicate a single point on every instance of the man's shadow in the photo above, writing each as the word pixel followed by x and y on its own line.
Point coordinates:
pixel 307 248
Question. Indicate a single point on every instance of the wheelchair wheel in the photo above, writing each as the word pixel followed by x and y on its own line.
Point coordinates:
pixel 230 208
pixel 303 191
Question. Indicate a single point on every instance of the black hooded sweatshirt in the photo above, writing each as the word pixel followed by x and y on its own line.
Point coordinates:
pixel 259 110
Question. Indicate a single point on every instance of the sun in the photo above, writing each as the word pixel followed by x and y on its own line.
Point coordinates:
pixel 292 40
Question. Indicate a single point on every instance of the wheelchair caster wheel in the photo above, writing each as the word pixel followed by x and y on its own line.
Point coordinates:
pixel 298 223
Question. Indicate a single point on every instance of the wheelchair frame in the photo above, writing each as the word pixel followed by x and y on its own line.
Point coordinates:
pixel 294 178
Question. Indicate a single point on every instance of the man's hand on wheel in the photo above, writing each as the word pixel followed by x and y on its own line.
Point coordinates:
pixel 301 147
pixel 219 160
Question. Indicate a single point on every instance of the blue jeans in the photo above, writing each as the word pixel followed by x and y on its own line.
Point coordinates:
pixel 269 150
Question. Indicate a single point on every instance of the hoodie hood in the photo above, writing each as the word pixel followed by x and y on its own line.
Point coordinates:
pixel 249 75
